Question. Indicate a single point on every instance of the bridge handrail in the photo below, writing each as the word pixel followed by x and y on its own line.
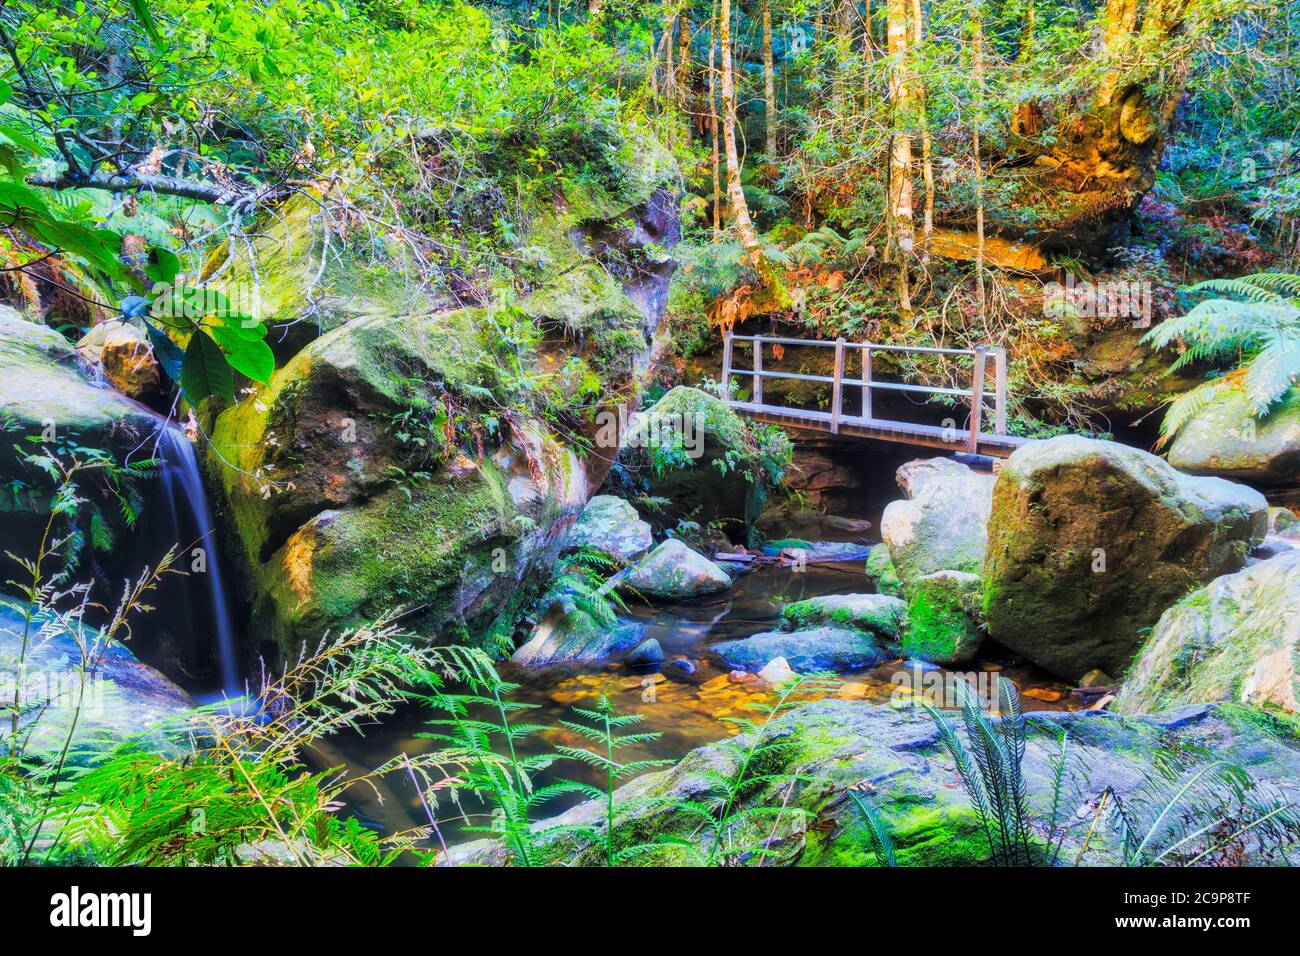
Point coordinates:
pixel 976 393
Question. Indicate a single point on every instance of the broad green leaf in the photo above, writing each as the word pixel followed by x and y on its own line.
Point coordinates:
pixel 169 354
pixel 205 371
pixel 163 265
pixel 248 356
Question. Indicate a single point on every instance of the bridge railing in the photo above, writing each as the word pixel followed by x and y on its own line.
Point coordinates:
pixel 977 394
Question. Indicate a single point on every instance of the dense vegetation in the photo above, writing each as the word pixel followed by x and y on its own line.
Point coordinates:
pixel 465 231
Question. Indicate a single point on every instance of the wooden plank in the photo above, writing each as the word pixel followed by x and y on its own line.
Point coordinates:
pixel 977 400
pixel 726 366
pixel 837 396
pixel 866 382
pixel 758 370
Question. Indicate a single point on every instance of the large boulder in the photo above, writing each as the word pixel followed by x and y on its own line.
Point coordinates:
pixel 880 568
pixel 944 618
pixel 806 652
pixel 1236 639
pixel 943 523
pixel 1090 541
pixel 877 614
pixel 709 464
pixel 1225 439
pixel 673 572
pixel 612 525
pixel 892 757
pixel 124 699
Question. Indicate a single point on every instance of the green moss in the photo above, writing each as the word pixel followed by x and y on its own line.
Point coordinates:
pixel 880 568
pixel 1276 724
pixel 940 618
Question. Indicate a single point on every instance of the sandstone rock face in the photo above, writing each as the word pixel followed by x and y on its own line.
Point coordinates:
pixel 673 572
pixel 124 698
pixel 612 525
pixel 1090 541
pixel 944 618
pixel 126 357
pixel 1236 639
pixel 877 614
pixel 806 652
pixel 1225 439
pixel 943 524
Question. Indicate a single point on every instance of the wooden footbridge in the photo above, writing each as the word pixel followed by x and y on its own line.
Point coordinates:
pixel 858 374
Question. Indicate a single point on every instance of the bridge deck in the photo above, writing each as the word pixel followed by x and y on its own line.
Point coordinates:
pixel 972 438
pixel 909 433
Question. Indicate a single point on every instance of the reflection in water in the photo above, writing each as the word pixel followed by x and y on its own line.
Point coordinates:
pixel 689 702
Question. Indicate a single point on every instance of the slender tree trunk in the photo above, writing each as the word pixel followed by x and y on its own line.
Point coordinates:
pixel 769 81
pixel 900 216
pixel 670 75
pixel 735 192
pixel 713 125
pixel 927 162
pixel 977 52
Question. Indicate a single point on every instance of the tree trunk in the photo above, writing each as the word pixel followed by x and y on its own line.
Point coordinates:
pixel 713 125
pixel 927 162
pixel 977 51
pixel 769 81
pixel 735 193
pixel 901 229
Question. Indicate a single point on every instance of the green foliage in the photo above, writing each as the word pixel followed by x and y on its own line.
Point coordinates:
pixel 1259 328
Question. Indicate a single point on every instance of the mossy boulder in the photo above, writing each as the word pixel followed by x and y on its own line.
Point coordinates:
pixel 341 517
pixel 124 698
pixel 877 614
pixel 569 635
pixel 806 652
pixel 944 618
pixel 712 466
pixel 880 568
pixel 1225 439
pixel 892 756
pixel 943 523
pixel 673 572
pixel 612 525
pixel 1090 541
pixel 1236 639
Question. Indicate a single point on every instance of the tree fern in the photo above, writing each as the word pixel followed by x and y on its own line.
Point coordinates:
pixel 1257 326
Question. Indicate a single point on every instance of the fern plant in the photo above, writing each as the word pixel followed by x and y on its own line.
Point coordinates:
pixel 601 726
pixel 1255 321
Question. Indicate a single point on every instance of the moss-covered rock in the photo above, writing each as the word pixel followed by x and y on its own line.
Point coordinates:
pixel 880 568
pixel 891 755
pixel 943 523
pixel 877 614
pixel 1090 541
pixel 569 635
pixel 1236 639
pixel 673 572
pixel 1225 439
pixel 712 466
pixel 613 526
pixel 807 651
pixel 944 613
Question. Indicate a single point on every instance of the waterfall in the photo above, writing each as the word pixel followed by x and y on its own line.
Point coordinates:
pixel 183 490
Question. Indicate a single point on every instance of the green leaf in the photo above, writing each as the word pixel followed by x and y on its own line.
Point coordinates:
pixel 141 10
pixel 249 356
pixel 163 266
pixel 205 371
pixel 170 356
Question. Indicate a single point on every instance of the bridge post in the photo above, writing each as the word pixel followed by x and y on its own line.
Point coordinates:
pixel 726 367
pixel 977 399
pixel 866 380
pixel 758 370
pixel 1000 380
pixel 837 396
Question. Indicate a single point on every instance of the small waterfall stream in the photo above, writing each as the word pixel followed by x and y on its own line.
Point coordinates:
pixel 191 516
